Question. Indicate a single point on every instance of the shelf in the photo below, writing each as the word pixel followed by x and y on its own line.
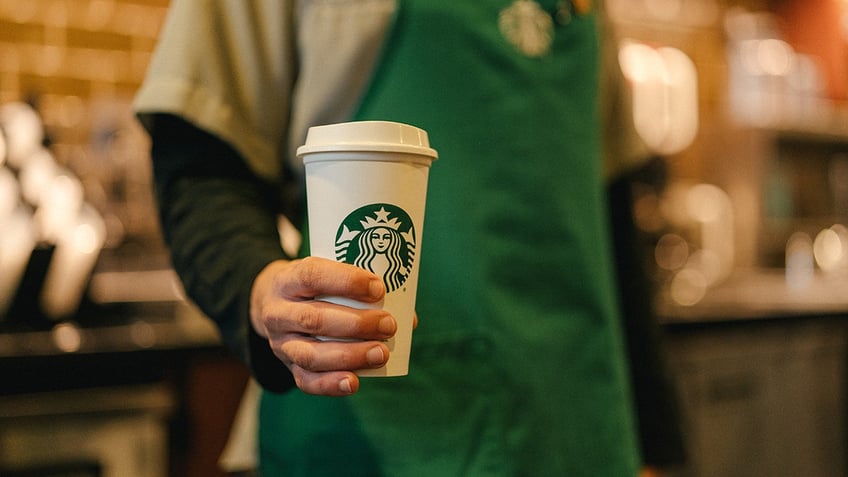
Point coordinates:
pixel 759 294
pixel 828 128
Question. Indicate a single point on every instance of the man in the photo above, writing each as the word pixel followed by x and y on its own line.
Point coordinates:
pixel 517 364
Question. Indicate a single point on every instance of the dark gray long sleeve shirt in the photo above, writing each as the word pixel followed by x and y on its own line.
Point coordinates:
pixel 220 223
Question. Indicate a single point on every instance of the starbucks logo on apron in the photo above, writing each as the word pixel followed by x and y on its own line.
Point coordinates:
pixel 379 238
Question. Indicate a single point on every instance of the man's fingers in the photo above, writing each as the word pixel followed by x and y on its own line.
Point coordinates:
pixel 325 384
pixel 327 319
pixel 313 277
pixel 323 356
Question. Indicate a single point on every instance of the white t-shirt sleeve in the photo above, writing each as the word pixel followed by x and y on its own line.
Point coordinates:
pixel 259 73
pixel 227 66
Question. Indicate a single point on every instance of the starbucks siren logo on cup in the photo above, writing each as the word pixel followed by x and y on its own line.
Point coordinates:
pixel 366 188
pixel 381 239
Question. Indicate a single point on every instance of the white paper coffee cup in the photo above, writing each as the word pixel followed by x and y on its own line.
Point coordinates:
pixel 366 188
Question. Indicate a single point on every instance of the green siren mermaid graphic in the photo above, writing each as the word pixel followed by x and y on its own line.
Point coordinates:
pixel 379 238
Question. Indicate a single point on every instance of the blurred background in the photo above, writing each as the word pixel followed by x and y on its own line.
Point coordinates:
pixel 106 370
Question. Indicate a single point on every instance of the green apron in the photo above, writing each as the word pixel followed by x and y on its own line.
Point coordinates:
pixel 516 365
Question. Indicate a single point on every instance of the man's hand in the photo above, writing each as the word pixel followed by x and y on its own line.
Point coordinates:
pixel 283 309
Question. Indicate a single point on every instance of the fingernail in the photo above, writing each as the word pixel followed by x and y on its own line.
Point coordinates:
pixel 375 356
pixel 345 386
pixel 387 326
pixel 375 288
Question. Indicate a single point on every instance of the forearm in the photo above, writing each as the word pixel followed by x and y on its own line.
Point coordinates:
pixel 220 223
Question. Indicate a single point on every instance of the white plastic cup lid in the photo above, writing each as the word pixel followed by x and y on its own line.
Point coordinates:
pixel 367 136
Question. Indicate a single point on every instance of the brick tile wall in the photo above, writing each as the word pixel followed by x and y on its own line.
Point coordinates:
pixel 80 62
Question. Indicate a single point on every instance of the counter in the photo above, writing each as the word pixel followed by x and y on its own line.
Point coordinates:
pixel 122 344
pixel 762 376
pixel 116 391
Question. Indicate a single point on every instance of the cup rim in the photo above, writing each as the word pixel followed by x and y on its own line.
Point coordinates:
pixel 367 136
